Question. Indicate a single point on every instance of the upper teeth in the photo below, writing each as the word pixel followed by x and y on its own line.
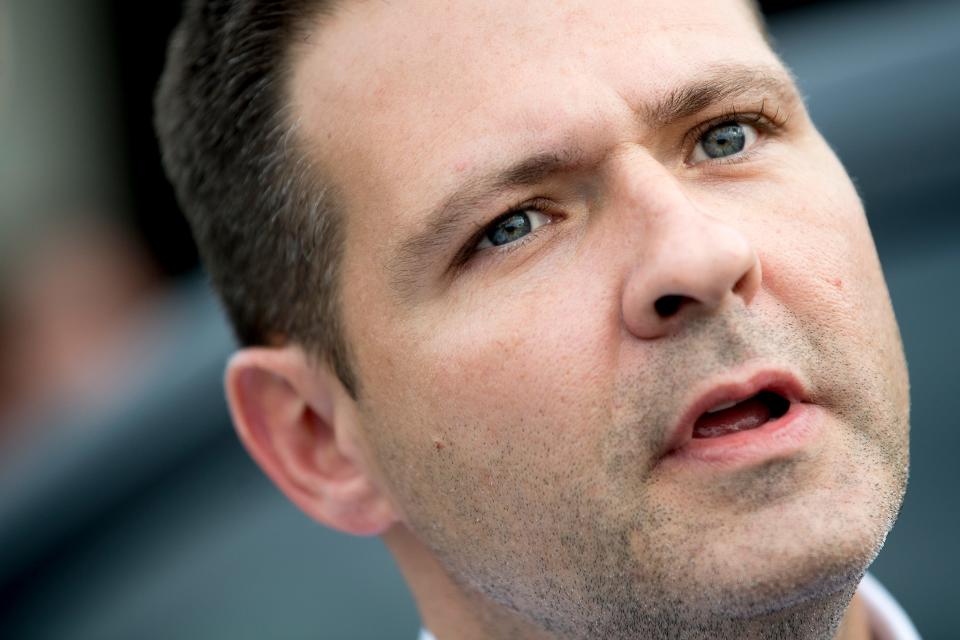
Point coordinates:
pixel 721 407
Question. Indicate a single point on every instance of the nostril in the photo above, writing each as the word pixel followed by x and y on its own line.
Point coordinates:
pixel 667 306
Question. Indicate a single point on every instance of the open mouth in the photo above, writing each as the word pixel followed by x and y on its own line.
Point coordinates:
pixel 740 420
pixel 733 417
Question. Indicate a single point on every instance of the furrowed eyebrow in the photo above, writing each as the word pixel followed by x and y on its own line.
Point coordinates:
pixel 446 220
pixel 720 82
pixel 441 224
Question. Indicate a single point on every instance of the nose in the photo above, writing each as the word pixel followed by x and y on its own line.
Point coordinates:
pixel 693 264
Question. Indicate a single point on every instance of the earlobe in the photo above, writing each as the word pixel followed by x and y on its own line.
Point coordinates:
pixel 298 423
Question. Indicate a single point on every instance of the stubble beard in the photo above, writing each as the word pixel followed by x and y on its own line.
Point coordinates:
pixel 620 561
pixel 661 573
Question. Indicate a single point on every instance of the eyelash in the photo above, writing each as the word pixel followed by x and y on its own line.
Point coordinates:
pixel 765 122
pixel 541 205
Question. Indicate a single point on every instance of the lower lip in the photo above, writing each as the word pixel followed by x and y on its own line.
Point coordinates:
pixel 786 436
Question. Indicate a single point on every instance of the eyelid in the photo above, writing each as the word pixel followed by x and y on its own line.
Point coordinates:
pixel 469 252
pixel 762 120
pixel 485 243
pixel 698 154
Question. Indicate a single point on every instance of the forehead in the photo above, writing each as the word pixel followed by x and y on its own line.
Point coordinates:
pixel 391 92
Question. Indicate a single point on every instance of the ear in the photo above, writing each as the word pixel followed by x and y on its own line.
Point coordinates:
pixel 300 425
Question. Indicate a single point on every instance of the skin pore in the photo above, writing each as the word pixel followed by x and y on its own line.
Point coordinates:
pixel 515 400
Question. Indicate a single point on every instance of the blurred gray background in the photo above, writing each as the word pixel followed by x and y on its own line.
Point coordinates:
pixel 128 509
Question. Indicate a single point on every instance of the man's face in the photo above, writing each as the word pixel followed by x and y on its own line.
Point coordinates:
pixel 523 379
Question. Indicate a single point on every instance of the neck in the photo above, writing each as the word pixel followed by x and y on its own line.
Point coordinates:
pixel 449 610
pixel 855 625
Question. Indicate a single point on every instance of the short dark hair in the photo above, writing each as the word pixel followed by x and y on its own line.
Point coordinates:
pixel 266 224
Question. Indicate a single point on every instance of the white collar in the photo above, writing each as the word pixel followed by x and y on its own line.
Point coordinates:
pixel 888 620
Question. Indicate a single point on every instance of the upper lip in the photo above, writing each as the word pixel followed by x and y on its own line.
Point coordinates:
pixel 733 389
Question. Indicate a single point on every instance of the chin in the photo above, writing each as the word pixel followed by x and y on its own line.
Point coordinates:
pixel 800 557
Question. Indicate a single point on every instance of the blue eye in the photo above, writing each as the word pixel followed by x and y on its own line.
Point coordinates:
pixel 724 140
pixel 511 227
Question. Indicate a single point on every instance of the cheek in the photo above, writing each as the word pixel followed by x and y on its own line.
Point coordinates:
pixel 820 263
pixel 491 404
pixel 506 386
pixel 535 354
pixel 817 252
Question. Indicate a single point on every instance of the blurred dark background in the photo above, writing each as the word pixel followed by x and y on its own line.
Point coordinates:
pixel 128 508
